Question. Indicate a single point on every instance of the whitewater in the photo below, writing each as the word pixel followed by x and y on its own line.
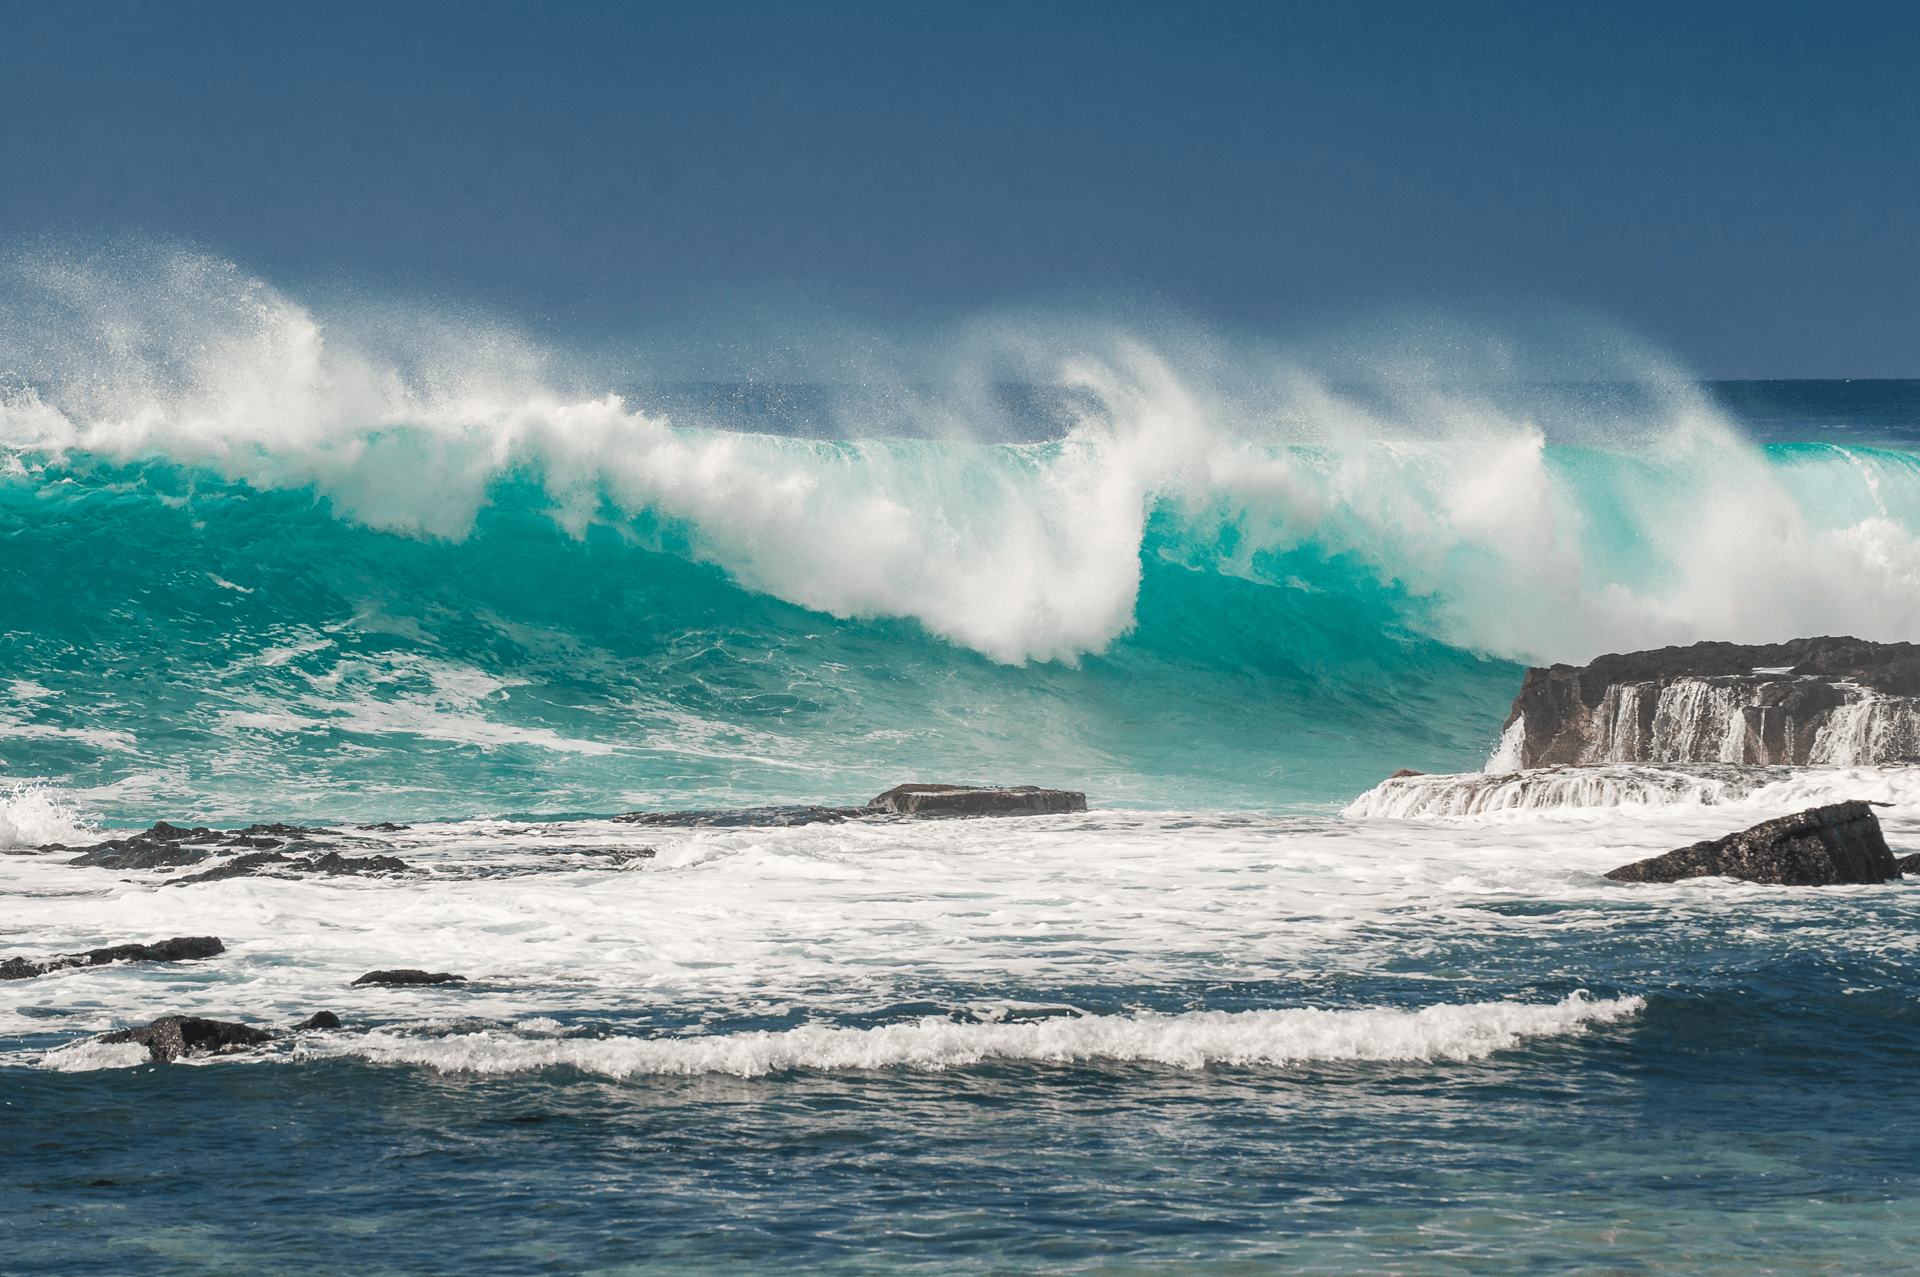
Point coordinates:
pixel 428 588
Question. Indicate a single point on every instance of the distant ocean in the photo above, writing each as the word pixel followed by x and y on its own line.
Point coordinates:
pixel 252 573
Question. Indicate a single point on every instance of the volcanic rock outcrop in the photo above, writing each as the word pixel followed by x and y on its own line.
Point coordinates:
pixel 172 1036
pixel 1819 847
pixel 1838 701
pixel 178 949
pixel 977 800
pixel 410 975
pixel 901 800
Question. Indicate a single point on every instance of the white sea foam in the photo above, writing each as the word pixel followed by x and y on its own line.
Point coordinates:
pixel 35 814
pixel 1021 552
pixel 1467 1031
pixel 1551 789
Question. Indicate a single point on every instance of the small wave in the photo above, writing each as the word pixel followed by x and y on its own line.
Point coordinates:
pixel 1192 1040
pixel 33 814
pixel 1545 789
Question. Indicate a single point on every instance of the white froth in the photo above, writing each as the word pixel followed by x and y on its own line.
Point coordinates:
pixel 1020 552
pixel 1193 1040
pixel 32 815
pixel 834 921
pixel 1493 795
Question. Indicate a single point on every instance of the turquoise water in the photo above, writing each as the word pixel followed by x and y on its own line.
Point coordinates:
pixel 251 572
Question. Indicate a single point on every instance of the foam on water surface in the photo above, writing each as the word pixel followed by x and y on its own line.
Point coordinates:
pixel 1641 788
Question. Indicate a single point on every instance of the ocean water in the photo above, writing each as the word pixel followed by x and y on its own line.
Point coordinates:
pixel 261 560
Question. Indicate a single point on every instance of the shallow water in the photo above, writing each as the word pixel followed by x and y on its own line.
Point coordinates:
pixel 1102 1043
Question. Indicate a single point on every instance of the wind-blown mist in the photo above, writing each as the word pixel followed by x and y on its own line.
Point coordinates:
pixel 392 561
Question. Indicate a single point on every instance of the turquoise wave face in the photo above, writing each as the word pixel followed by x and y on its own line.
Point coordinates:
pixel 257 563
pixel 198 648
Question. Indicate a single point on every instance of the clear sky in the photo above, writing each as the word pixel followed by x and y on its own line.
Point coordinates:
pixel 1738 182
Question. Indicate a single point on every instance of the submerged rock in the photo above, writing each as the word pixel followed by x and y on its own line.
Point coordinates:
pixel 178 949
pixel 1908 864
pixel 409 975
pixel 1840 701
pixel 901 800
pixel 977 800
pixel 278 864
pixel 172 1036
pixel 746 817
pixel 169 846
pixel 320 1020
pixel 1819 847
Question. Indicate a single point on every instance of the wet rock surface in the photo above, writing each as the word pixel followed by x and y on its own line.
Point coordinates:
pixel 1818 700
pixel 977 800
pixel 1819 847
pixel 178 949
pixel 277 849
pixel 1909 865
pixel 172 1036
pixel 902 800
pixel 279 865
pixel 409 976
pixel 320 1020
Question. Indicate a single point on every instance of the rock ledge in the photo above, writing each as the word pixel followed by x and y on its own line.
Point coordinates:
pixel 1819 847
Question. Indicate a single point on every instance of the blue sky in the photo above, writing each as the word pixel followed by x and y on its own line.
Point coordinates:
pixel 1735 181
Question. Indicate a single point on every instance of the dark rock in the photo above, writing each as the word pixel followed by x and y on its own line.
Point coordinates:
pixel 1763 704
pixel 140 853
pixel 387 827
pixel 178 949
pixel 278 863
pixel 172 1036
pixel 164 832
pixel 409 976
pixel 169 846
pixel 320 1020
pixel 237 867
pixel 1908 864
pixel 1819 847
pixel 1405 772
pixel 977 800
pixel 335 863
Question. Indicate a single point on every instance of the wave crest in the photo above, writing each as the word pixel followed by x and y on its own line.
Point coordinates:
pixel 1517 519
pixel 1191 1040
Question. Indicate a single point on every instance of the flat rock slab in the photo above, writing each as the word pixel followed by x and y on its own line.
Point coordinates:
pixel 409 976
pixel 178 949
pixel 977 800
pixel 1819 847
pixel 901 800
pixel 747 817
pixel 172 1036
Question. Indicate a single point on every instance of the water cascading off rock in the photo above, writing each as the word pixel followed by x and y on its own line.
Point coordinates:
pixel 1819 701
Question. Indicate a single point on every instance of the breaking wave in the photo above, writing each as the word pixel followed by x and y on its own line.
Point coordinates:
pixel 418 536
pixel 1468 1031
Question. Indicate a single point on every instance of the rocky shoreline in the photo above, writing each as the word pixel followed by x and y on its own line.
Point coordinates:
pixel 1822 701
pixel 293 851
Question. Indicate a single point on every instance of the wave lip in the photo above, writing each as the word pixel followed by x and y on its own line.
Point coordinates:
pixel 1191 1040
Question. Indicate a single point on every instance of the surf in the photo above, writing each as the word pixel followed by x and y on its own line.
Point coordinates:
pixel 390 559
